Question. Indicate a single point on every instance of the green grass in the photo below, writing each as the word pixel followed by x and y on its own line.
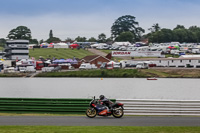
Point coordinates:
pixel 127 73
pixel 107 51
pixel 95 73
pixel 119 73
pixel 1 48
pixel 58 53
pixel 96 129
pixel 12 74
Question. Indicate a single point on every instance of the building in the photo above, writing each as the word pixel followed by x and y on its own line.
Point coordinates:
pixel 169 62
pixel 95 59
pixel 16 49
pixel 1 54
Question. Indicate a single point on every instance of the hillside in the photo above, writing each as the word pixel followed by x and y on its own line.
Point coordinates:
pixel 58 53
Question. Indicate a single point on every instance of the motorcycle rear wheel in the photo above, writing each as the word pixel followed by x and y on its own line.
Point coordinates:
pixel 91 112
pixel 118 112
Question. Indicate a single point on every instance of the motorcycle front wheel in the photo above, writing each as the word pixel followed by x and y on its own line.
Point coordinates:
pixel 118 112
pixel 91 112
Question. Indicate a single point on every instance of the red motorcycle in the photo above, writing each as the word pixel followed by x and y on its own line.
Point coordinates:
pixel 96 108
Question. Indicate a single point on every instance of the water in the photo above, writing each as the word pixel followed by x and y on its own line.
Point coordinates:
pixel 119 88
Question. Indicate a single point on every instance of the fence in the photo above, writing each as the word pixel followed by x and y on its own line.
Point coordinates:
pixel 38 105
pixel 161 107
pixel 79 106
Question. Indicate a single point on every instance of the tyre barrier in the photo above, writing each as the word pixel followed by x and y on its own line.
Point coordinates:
pixel 44 105
pixel 161 107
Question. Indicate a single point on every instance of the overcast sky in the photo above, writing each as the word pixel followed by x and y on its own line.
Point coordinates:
pixel 89 18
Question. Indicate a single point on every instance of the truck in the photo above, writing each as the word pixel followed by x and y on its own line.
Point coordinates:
pixel 39 65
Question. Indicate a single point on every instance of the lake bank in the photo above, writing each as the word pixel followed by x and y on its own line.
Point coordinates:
pixel 128 73
pixel 119 73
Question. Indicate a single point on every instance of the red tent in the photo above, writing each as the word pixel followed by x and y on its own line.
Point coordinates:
pixel 74 45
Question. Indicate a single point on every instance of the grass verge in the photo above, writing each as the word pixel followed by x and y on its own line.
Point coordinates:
pixel 119 73
pixel 12 74
pixel 128 73
pixel 95 129
pixel 94 73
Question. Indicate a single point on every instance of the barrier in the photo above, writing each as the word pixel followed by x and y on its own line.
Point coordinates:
pixel 161 107
pixel 44 105
pixel 39 105
pixel 79 106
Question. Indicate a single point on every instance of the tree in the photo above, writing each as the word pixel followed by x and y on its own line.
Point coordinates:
pixel 81 39
pixel 162 36
pixel 109 40
pixel 102 38
pixel 50 34
pixel 21 32
pixel 195 31
pixel 41 41
pixel 179 27
pixel 53 39
pixel 155 28
pixel 33 41
pixel 2 42
pixel 124 24
pixel 92 39
pixel 125 36
pixel 68 40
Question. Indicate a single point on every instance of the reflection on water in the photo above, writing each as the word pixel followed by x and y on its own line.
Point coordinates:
pixel 120 88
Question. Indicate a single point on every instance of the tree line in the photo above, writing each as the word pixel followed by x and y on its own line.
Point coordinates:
pixel 178 34
pixel 125 28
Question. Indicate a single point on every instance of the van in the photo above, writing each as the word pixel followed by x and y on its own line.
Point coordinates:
pixel 115 65
pixel 85 66
pixel 30 69
pixel 142 65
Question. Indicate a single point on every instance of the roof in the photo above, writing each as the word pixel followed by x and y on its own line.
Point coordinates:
pixel 190 56
pixel 92 57
pixel 156 59
pixel 19 40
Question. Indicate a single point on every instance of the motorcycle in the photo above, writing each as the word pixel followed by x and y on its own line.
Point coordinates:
pixel 96 108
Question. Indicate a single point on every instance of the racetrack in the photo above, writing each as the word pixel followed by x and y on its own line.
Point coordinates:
pixel 100 121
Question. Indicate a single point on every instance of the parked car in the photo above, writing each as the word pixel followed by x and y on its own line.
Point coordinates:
pixel 123 48
pixel 103 65
pixel 114 48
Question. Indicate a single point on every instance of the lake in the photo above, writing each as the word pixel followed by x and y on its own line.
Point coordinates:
pixel 119 88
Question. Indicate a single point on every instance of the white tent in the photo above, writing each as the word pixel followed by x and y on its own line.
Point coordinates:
pixel 61 45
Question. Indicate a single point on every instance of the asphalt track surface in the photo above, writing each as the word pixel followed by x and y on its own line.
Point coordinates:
pixel 100 121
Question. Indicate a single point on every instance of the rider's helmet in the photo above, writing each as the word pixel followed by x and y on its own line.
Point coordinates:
pixel 101 97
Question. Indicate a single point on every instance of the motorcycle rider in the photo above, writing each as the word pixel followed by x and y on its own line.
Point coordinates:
pixel 105 101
